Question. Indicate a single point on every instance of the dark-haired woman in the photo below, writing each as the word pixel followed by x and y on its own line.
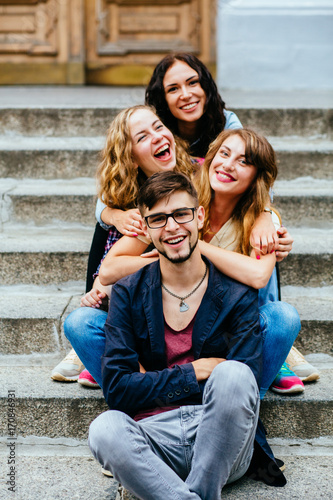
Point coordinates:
pixel 185 96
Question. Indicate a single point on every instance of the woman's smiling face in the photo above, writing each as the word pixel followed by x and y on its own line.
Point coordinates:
pixel 153 145
pixel 229 172
pixel 184 95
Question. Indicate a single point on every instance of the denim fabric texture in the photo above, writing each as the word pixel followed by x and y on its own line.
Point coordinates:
pixel 181 454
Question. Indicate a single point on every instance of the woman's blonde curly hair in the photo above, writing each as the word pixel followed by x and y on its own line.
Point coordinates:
pixel 258 152
pixel 118 180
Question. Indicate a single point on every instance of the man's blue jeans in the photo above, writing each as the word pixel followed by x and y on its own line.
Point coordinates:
pixel 279 326
pixel 187 453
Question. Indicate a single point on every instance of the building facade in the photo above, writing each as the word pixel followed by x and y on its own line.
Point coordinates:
pixel 99 41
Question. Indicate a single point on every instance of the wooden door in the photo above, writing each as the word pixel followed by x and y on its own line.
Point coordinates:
pixel 99 41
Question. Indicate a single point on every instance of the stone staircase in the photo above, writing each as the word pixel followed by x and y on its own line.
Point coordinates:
pixel 48 157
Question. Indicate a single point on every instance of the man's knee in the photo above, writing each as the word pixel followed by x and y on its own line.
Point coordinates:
pixel 233 375
pixel 106 431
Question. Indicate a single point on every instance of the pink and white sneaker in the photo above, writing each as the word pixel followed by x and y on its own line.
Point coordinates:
pixel 86 379
pixel 286 382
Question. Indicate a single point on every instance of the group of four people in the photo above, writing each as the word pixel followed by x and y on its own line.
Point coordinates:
pixel 175 328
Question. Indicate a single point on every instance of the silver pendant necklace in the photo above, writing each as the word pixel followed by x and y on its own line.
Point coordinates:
pixel 183 307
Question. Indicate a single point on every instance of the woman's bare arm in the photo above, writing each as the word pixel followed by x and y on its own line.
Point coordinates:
pixel 248 270
pixel 264 238
pixel 123 259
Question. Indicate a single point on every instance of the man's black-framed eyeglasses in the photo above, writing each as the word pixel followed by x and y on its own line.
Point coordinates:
pixel 181 216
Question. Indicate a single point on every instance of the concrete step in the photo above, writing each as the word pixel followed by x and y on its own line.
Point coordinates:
pixel 301 202
pixel 67 157
pixel 305 201
pixel 34 324
pixel 86 121
pixel 51 254
pixel 282 122
pixel 310 262
pixel 44 202
pixel 70 471
pixel 58 253
pixel 314 306
pixel 303 156
pixel 31 317
pixel 49 157
pixel 53 409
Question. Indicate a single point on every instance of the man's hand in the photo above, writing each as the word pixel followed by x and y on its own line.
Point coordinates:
pixel 93 298
pixel 203 367
pixel 285 244
pixel 142 370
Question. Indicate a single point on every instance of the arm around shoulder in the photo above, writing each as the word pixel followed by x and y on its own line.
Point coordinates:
pixel 123 259
pixel 248 270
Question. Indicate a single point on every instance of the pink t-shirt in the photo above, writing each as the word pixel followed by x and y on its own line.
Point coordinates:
pixel 178 351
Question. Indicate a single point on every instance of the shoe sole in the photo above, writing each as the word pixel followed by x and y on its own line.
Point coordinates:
pixel 61 378
pixel 87 383
pixel 310 378
pixel 107 472
pixel 294 390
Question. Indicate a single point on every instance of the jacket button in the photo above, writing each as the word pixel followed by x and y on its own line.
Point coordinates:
pixel 170 395
pixel 178 392
pixel 186 389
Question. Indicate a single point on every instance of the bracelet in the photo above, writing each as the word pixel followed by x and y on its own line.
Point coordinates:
pixel 268 210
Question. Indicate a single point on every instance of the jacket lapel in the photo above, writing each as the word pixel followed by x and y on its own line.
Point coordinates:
pixel 152 305
pixel 210 308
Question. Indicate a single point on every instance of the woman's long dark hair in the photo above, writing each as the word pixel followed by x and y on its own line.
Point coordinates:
pixel 213 120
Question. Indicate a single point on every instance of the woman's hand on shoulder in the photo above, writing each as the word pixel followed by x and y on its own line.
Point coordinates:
pixel 128 222
pixel 285 244
pixel 264 238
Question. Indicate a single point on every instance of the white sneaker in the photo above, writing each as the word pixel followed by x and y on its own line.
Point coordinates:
pixel 69 369
pixel 299 365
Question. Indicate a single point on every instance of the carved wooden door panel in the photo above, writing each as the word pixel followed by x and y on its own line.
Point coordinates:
pixel 41 41
pixel 99 41
pixel 127 38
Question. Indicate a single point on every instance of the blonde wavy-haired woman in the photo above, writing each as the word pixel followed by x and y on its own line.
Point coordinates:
pixel 121 172
pixel 119 179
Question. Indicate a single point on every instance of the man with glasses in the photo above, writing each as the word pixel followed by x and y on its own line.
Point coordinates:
pixel 182 363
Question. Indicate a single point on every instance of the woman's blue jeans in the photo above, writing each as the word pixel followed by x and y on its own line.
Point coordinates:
pixel 279 325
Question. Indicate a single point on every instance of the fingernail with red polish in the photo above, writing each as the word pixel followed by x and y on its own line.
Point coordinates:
pixel 258 257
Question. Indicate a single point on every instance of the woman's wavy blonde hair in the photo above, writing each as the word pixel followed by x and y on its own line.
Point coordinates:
pixel 258 152
pixel 118 180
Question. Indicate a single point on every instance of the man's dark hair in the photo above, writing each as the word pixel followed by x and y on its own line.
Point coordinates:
pixel 163 185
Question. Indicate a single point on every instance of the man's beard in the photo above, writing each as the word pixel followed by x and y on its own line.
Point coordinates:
pixel 180 259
